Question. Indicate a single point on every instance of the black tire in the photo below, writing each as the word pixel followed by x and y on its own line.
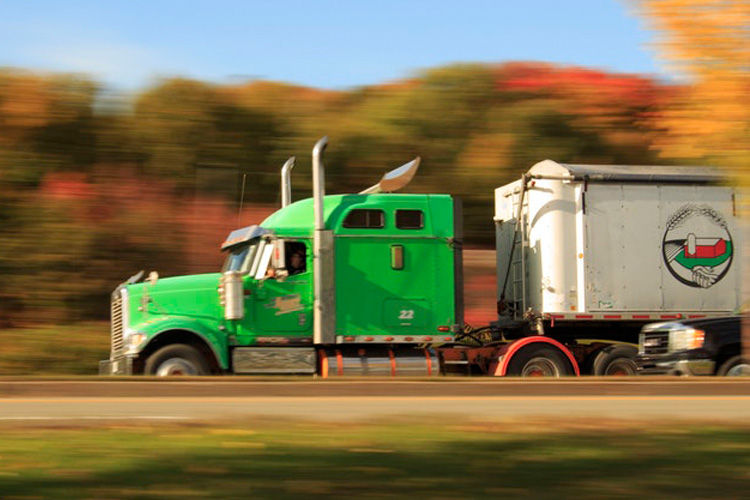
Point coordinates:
pixel 618 360
pixel 177 360
pixel 539 361
pixel 734 367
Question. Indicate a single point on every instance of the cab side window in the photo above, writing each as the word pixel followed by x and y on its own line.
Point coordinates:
pixel 365 218
pixel 409 219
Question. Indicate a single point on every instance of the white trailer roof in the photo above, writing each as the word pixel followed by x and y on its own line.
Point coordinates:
pixel 629 173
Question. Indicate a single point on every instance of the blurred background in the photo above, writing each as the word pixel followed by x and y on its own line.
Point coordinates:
pixel 126 133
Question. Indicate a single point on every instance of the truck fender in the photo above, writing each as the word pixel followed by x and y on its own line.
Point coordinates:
pixel 501 366
pixel 180 328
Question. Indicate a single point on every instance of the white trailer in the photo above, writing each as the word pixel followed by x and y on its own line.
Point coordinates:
pixel 587 254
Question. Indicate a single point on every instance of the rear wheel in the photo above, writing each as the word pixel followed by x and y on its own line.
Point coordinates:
pixel 176 360
pixel 734 367
pixel 539 361
pixel 615 361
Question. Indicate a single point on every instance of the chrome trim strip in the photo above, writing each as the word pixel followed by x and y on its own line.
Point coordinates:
pixel 395 339
pixel 119 321
pixel 397 235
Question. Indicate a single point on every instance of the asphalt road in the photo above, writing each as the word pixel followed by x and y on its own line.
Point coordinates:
pixel 78 400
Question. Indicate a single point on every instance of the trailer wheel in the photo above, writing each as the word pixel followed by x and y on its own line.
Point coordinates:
pixel 539 361
pixel 615 361
pixel 176 360
pixel 734 367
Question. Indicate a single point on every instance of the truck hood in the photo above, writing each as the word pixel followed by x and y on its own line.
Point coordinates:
pixel 194 295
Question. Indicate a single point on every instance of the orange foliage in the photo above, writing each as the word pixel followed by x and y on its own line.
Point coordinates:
pixel 30 101
pixel 25 104
pixel 709 42
pixel 282 98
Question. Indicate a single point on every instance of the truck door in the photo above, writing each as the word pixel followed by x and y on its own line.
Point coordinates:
pixel 282 304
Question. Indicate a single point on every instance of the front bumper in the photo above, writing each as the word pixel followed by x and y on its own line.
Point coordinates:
pixel 118 366
pixel 691 363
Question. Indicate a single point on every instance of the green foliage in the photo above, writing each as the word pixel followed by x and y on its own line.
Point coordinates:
pixel 182 125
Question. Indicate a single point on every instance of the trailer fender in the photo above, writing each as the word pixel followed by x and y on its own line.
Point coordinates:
pixel 504 358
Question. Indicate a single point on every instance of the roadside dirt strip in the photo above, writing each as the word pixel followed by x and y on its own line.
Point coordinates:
pixel 95 387
pixel 77 401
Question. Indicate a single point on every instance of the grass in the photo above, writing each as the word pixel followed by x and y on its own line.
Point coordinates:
pixel 54 350
pixel 396 459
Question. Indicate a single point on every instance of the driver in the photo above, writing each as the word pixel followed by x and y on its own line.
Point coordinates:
pixel 297 262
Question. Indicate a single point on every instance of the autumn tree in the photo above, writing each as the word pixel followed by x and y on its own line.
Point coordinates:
pixel 708 43
pixel 185 126
pixel 92 189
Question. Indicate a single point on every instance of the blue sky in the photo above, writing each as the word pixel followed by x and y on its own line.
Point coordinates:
pixel 322 43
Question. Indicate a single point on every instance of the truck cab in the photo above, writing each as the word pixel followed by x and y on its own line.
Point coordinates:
pixel 393 270
pixel 388 273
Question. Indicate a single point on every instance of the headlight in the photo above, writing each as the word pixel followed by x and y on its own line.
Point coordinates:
pixel 133 340
pixel 686 339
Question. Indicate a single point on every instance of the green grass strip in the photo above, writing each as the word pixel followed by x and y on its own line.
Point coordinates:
pixel 398 459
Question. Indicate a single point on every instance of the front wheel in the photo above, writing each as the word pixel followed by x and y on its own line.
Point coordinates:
pixel 176 360
pixel 539 361
pixel 734 367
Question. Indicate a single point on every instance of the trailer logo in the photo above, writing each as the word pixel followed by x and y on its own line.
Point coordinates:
pixel 697 246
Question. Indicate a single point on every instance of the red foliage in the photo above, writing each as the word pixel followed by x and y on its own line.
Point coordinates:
pixel 66 186
pixel 572 81
pixel 149 211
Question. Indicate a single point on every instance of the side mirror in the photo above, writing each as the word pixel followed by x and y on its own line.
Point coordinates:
pixel 278 261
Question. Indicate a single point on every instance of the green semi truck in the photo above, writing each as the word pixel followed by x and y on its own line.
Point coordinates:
pixel 372 284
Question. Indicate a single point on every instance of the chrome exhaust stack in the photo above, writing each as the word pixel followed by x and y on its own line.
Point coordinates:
pixel 319 182
pixel 286 182
pixel 324 312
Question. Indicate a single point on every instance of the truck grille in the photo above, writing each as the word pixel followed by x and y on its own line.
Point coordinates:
pixel 655 343
pixel 117 323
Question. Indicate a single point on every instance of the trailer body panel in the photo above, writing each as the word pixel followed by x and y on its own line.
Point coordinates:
pixel 644 241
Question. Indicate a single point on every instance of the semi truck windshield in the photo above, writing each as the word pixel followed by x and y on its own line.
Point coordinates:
pixel 240 258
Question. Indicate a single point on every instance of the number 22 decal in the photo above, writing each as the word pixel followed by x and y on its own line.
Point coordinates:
pixel 406 314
